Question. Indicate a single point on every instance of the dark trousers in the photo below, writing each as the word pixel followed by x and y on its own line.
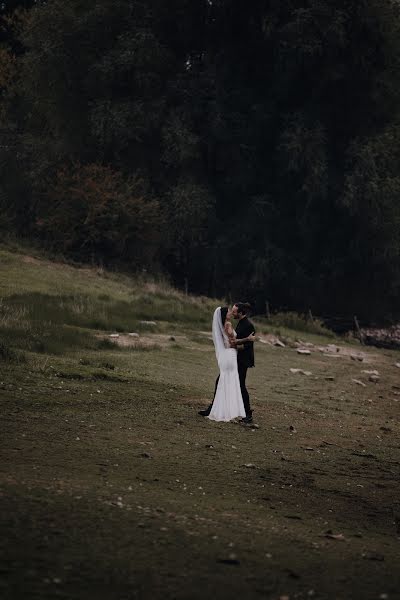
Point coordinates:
pixel 245 394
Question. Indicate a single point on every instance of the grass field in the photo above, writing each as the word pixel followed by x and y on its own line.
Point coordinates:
pixel 112 486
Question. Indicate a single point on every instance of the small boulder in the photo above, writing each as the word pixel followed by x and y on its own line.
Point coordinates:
pixel 358 382
pixel 370 372
pixel 300 371
pixel 279 343
pixel 303 351
pixel 332 348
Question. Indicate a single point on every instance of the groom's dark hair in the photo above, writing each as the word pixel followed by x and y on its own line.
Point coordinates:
pixel 243 307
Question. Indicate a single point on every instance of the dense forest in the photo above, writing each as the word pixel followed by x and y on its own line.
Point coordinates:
pixel 243 148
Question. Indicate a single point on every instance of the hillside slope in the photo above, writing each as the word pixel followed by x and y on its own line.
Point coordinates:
pixel 112 486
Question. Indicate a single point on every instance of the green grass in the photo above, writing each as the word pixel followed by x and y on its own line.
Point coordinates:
pixel 288 323
pixel 54 307
pixel 112 486
pixel 8 355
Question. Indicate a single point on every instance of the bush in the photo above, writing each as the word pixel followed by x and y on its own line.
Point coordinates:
pixel 91 212
pixel 298 322
pixel 9 355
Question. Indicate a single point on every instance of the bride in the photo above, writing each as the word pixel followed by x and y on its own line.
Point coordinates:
pixel 228 401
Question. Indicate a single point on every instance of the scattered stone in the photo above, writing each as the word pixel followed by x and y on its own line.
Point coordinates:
pixel 332 348
pixel 330 378
pixel 271 340
pixel 293 429
pixel 357 357
pixel 148 323
pixel 300 371
pixel 303 351
pixel 335 536
pixel 145 455
pixel 114 335
pixel 358 382
pixel 135 335
pixel 250 465
pixel 397 365
pixel 383 338
pixel 279 343
pixel 373 378
pixel 370 372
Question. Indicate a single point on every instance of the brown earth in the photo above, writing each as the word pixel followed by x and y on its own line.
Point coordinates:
pixel 112 486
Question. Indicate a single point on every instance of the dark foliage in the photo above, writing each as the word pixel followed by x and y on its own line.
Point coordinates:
pixel 265 137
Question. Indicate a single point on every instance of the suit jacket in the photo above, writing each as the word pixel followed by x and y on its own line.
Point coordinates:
pixel 245 356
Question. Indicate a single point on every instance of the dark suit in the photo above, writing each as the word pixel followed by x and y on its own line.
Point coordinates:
pixel 245 328
pixel 245 360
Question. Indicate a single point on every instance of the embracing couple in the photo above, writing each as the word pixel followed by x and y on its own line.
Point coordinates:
pixel 235 354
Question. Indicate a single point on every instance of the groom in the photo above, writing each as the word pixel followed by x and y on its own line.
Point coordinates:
pixel 245 357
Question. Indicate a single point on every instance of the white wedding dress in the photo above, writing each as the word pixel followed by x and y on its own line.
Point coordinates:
pixel 228 401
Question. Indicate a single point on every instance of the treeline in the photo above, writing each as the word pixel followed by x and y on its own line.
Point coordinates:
pixel 246 148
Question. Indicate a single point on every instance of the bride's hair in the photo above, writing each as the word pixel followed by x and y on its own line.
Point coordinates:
pixel 243 307
pixel 224 312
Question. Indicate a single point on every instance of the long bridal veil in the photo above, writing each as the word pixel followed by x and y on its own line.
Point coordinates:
pixel 220 338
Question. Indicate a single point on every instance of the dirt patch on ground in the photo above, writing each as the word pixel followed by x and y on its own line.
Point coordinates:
pixel 134 340
pixel 119 489
pixel 30 260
